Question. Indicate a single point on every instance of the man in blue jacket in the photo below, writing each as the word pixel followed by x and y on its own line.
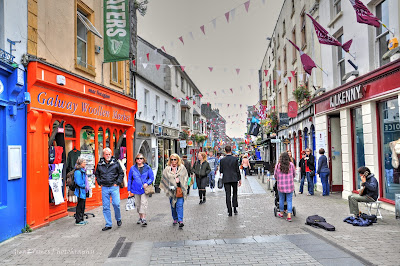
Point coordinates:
pixel 369 192
pixel 109 176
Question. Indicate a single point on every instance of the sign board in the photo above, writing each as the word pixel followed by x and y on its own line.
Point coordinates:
pixel 347 96
pixel 14 162
pixel 190 143
pixel 283 120
pixel 292 109
pixel 275 141
pixel 182 144
pixel 286 141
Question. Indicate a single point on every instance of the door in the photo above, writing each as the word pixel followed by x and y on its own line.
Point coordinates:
pixel 335 154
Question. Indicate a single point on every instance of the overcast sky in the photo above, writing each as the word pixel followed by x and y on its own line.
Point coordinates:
pixel 239 44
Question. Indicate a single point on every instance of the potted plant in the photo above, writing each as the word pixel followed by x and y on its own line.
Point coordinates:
pixel 158 179
pixel 302 95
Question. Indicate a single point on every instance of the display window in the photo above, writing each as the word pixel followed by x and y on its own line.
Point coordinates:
pixel 390 148
pixel 357 133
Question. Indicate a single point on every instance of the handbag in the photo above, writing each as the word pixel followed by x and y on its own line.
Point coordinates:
pixel 149 190
pixel 179 193
pixel 220 184
pixel 195 184
pixel 130 203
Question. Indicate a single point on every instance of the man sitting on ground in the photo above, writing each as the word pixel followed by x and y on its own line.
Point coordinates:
pixel 368 191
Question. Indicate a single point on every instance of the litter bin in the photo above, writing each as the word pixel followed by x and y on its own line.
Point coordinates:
pixel 397 206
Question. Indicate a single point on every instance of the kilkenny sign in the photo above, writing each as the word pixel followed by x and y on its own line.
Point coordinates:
pixel 347 96
pixel 116 30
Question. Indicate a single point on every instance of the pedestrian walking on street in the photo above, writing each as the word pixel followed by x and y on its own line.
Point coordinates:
pixel 213 162
pixel 323 172
pixel 229 168
pixel 140 177
pixel 82 187
pixel 293 160
pixel 285 172
pixel 308 169
pixel 174 180
pixel 245 166
pixel 189 170
pixel 368 192
pixel 202 169
pixel 109 176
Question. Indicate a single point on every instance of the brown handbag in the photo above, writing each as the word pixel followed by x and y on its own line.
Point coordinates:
pixel 179 193
pixel 149 190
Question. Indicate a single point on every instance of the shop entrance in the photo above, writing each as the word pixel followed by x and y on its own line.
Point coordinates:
pixel 335 153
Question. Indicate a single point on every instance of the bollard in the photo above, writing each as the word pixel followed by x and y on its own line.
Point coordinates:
pixel 258 173
pixel 262 171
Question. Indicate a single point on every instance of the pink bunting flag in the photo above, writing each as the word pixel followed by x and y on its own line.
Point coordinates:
pixel 181 38
pixel 134 62
pixel 266 72
pixel 163 48
pixel 293 73
pixel 307 62
pixel 228 104
pixel 215 93
pixel 231 90
pixel 179 100
pixel 203 30
pixel 249 86
pixel 364 15
pixel 325 38
pixel 274 82
pixel 194 102
pixel 240 106
pixel 290 79
pixel 267 83
pixel 158 67
pixel 187 98
pixel 246 5
pixel 148 56
pixel 210 68
pixel 183 68
pixel 227 16
pixel 237 70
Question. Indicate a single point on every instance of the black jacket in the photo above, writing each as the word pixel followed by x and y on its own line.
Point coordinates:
pixel 371 187
pixel 202 170
pixel 188 167
pixel 310 164
pixel 229 167
pixel 108 174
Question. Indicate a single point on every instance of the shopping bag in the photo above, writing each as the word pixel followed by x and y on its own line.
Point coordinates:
pixel 130 203
pixel 195 184
pixel 220 184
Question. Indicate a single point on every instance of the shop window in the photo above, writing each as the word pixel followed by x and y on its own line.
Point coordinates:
pixel 108 136
pixel 358 143
pixel 294 50
pixel 382 34
pixel 84 46
pixel 337 6
pixel 100 138
pixel 70 145
pixel 115 140
pixel 303 30
pixel 88 153
pixel 117 70
pixel 390 147
pixel 341 61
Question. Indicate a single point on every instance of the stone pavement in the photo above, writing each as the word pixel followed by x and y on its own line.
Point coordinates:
pixel 255 236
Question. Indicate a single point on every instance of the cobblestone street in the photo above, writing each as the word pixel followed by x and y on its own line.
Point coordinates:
pixel 255 236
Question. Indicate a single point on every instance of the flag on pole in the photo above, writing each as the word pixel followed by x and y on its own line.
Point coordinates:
pixel 307 62
pixel 325 38
pixel 364 15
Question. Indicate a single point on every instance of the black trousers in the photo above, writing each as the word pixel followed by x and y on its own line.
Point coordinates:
pixel 80 210
pixel 231 201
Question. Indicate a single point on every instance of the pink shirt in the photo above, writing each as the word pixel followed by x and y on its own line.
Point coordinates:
pixel 285 181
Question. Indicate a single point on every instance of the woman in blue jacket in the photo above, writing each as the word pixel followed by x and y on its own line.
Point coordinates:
pixel 324 172
pixel 80 191
pixel 140 176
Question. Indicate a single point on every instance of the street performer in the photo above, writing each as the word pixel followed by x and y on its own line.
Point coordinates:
pixel 368 192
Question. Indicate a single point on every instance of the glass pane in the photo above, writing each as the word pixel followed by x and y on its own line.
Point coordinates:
pixel 382 12
pixel 383 48
pixel 114 71
pixel 359 158
pixel 390 128
pixel 81 53
pixel 108 138
pixel 69 131
pixel 81 30
pixel 100 136
pixel 87 153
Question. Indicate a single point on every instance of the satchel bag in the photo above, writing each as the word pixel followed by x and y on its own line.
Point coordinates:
pixel 179 193
pixel 149 190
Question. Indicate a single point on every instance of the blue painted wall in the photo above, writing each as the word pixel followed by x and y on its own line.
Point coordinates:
pixel 12 132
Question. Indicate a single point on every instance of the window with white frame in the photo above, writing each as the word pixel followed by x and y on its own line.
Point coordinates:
pixel 176 77
pixel 337 6
pixel 146 103
pixel 165 109
pixel 382 34
pixel 157 109
pixel 173 114
pixel 81 43
pixel 182 84
pixel 340 60
pixel 114 71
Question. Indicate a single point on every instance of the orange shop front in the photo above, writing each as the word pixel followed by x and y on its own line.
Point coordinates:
pixel 70 117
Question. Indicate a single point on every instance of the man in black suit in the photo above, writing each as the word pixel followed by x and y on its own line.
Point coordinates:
pixel 229 167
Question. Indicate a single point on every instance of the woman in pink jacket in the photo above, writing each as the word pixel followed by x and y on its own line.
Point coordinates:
pixel 284 173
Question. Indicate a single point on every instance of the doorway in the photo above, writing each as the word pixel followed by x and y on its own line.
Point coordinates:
pixel 335 153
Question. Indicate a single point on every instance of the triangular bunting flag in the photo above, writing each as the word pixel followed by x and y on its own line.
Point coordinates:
pixel 266 72
pixel 181 38
pixel 162 47
pixel 191 35
pixel 237 70
pixel 148 56
pixel 194 102
pixel 144 65
pixel 231 90
pixel 249 86
pixel 134 62
pixel 215 93
pixel 233 12
pixel 301 78
pixel 158 67
pixel 290 79
pixel 155 51
pixel 183 68
pixel 227 16
pixel 293 73
pixel 267 83
pixel 170 66
pixel 279 72
pixel 210 68
pixel 187 98
pixel 274 82
pixel 203 30
pixel 214 22
pixel 246 5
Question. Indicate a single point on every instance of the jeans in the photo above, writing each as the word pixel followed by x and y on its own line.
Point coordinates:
pixel 106 192
pixel 302 183
pixel 325 183
pixel 289 197
pixel 310 183
pixel 211 178
pixel 177 211
pixel 231 200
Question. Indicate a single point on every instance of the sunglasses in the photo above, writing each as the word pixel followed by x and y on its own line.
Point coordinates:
pixel 141 158
pixel 173 159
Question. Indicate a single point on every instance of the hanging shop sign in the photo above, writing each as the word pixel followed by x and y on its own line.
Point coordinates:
pixel 182 144
pixel 283 120
pixel 292 109
pixel 190 143
pixel 144 130
pixel 61 102
pixel 347 96
pixel 116 31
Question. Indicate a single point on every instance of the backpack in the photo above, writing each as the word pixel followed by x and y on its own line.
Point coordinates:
pixel 71 180
pixel 319 222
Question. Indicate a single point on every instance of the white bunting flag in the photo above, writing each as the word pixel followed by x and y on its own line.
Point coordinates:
pixel 144 65
pixel 233 13
pixel 214 22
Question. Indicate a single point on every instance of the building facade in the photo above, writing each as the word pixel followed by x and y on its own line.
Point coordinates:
pixel 13 101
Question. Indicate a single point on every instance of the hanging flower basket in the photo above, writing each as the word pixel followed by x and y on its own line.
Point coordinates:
pixel 302 95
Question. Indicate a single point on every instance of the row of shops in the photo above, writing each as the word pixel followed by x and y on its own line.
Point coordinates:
pixel 356 124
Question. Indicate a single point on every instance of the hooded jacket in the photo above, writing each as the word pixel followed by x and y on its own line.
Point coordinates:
pixel 109 174
pixel 371 187
pixel 137 180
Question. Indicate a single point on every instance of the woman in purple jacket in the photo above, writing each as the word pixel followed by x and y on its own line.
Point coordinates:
pixel 284 173
pixel 140 176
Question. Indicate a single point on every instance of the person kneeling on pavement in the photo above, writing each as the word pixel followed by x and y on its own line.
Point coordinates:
pixel 368 191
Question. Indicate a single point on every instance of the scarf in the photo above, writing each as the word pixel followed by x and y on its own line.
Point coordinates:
pixel 87 187
pixel 168 179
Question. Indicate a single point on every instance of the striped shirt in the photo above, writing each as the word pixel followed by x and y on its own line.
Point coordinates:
pixel 285 181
